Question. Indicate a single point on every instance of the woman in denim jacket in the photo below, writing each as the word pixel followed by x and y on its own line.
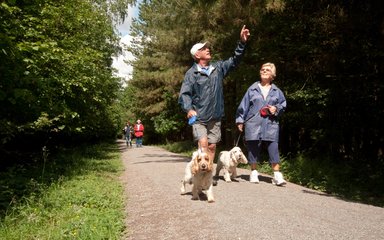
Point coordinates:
pixel 258 115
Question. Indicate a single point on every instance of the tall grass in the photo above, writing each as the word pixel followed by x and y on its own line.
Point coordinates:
pixel 75 194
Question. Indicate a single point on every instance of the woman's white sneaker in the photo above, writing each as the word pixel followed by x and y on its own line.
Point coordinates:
pixel 278 179
pixel 254 177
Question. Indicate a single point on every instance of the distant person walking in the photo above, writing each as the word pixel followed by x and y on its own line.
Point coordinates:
pixel 258 115
pixel 201 95
pixel 128 129
pixel 139 133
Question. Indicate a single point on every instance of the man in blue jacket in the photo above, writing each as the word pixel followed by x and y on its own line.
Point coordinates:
pixel 201 95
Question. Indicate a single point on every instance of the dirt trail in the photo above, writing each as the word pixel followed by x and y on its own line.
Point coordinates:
pixel 243 211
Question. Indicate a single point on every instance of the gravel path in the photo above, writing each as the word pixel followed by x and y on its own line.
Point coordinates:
pixel 243 211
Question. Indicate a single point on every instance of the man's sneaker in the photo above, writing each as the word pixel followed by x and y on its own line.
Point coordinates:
pixel 254 177
pixel 278 179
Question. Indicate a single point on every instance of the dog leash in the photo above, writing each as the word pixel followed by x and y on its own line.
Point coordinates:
pixel 237 142
pixel 198 143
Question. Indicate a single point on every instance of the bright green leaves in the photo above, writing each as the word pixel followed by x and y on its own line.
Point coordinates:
pixel 55 66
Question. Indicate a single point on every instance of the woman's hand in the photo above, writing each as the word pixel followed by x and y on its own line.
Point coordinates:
pixel 272 110
pixel 240 127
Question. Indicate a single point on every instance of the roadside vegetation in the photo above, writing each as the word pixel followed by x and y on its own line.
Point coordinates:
pixel 75 194
pixel 58 90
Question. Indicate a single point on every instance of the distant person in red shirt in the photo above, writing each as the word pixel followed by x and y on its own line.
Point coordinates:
pixel 139 132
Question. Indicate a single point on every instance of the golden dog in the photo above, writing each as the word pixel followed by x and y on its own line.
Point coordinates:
pixel 198 172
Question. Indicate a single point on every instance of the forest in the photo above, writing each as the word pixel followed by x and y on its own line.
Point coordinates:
pixel 58 88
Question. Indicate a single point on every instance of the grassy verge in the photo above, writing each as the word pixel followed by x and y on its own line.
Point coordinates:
pixel 185 148
pixel 351 183
pixel 73 195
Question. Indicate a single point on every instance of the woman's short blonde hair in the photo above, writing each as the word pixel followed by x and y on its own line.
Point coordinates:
pixel 272 66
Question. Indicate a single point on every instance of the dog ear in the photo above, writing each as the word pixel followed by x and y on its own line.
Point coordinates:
pixel 195 164
pixel 232 157
pixel 244 158
pixel 210 165
pixel 195 169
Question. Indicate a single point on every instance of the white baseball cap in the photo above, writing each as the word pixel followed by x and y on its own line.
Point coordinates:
pixel 197 47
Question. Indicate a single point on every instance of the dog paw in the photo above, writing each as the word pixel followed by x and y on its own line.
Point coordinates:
pixel 182 190
pixel 214 182
pixel 211 200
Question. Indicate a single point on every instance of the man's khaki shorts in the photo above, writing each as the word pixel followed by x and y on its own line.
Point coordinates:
pixel 210 130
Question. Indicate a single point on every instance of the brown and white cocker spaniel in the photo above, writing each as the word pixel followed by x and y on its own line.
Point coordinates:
pixel 228 161
pixel 198 172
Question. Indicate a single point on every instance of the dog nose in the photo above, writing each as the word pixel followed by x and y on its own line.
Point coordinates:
pixel 203 166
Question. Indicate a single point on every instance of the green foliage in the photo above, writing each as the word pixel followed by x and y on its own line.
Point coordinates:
pixel 165 125
pixel 80 197
pixel 56 75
